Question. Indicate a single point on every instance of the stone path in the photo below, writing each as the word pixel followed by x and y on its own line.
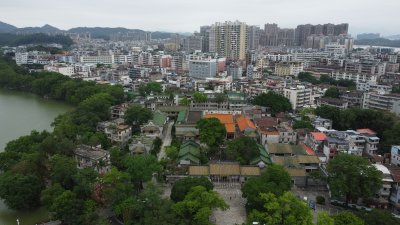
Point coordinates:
pixel 232 195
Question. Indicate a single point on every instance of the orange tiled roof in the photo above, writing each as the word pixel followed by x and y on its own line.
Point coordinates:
pixel 223 118
pixel 318 136
pixel 226 119
pixel 366 131
pixel 244 123
pixel 309 151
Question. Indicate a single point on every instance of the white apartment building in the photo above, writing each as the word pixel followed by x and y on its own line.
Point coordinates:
pixel 298 96
pixel 373 86
pixel 100 59
pixel 309 56
pixel 354 77
pixel 21 58
pixel 387 102
pixel 203 69
pixel 279 57
pixel 335 49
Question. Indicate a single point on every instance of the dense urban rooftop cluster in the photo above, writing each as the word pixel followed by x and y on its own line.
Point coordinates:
pixel 229 103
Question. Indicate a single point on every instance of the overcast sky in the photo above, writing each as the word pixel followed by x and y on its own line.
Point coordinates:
pixel 381 16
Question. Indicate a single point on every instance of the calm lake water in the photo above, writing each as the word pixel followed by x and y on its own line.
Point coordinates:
pixel 19 114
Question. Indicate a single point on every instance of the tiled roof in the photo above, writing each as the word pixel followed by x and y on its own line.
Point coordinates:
pixel 266 122
pixel 244 123
pixel 309 151
pixel 223 118
pixel 318 136
pixel 226 119
pixel 366 131
pixel 395 172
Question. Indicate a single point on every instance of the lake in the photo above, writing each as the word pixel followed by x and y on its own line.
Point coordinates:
pixel 19 114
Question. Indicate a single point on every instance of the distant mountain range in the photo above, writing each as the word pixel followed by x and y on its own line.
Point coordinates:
pixel 96 32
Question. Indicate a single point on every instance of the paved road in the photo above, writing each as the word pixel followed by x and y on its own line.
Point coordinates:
pixel 236 214
pixel 166 141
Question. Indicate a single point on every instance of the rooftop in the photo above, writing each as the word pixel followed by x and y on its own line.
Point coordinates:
pixel 318 136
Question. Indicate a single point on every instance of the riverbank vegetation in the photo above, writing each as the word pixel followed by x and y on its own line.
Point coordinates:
pixel 39 169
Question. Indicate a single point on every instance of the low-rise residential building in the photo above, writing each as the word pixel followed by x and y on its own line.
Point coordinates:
pixel 382 196
pixel 288 68
pixel 315 140
pixel 371 141
pixel 395 189
pixel 116 131
pixel 92 157
pixel 333 102
pixel 395 155
pixel 322 122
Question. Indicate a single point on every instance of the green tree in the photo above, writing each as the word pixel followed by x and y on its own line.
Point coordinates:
pixel 149 88
pixel 20 191
pixel 332 92
pixel 211 131
pixel 325 219
pixel 275 102
pixel 287 209
pixel 141 168
pixel 220 98
pixel 67 208
pixel 378 217
pixel 116 187
pixel 172 152
pixel 50 194
pixel 200 97
pixel 347 218
pixel 183 186
pixel 274 179
pixel 303 124
pixel 352 177
pixel 62 171
pixel 184 101
pixel 137 115
pixel 157 143
pixel 308 77
pixel 198 204
pixel 242 149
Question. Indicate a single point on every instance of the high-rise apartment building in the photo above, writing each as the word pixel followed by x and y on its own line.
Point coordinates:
pixel 229 39
pixel 193 43
pixel 205 34
pixel 275 36
pixel 306 30
pixel 253 37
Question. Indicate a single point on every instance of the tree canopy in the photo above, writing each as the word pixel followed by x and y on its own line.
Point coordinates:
pixel 199 97
pixel 198 204
pixel 347 218
pixel 332 92
pixel 151 87
pixel 275 102
pixel 275 179
pixel 20 191
pixel 211 131
pixel 286 209
pixel 352 177
pixel 242 149
pixel 183 186
pixel 137 115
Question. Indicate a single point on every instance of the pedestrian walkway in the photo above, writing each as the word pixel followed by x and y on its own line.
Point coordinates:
pixel 232 195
